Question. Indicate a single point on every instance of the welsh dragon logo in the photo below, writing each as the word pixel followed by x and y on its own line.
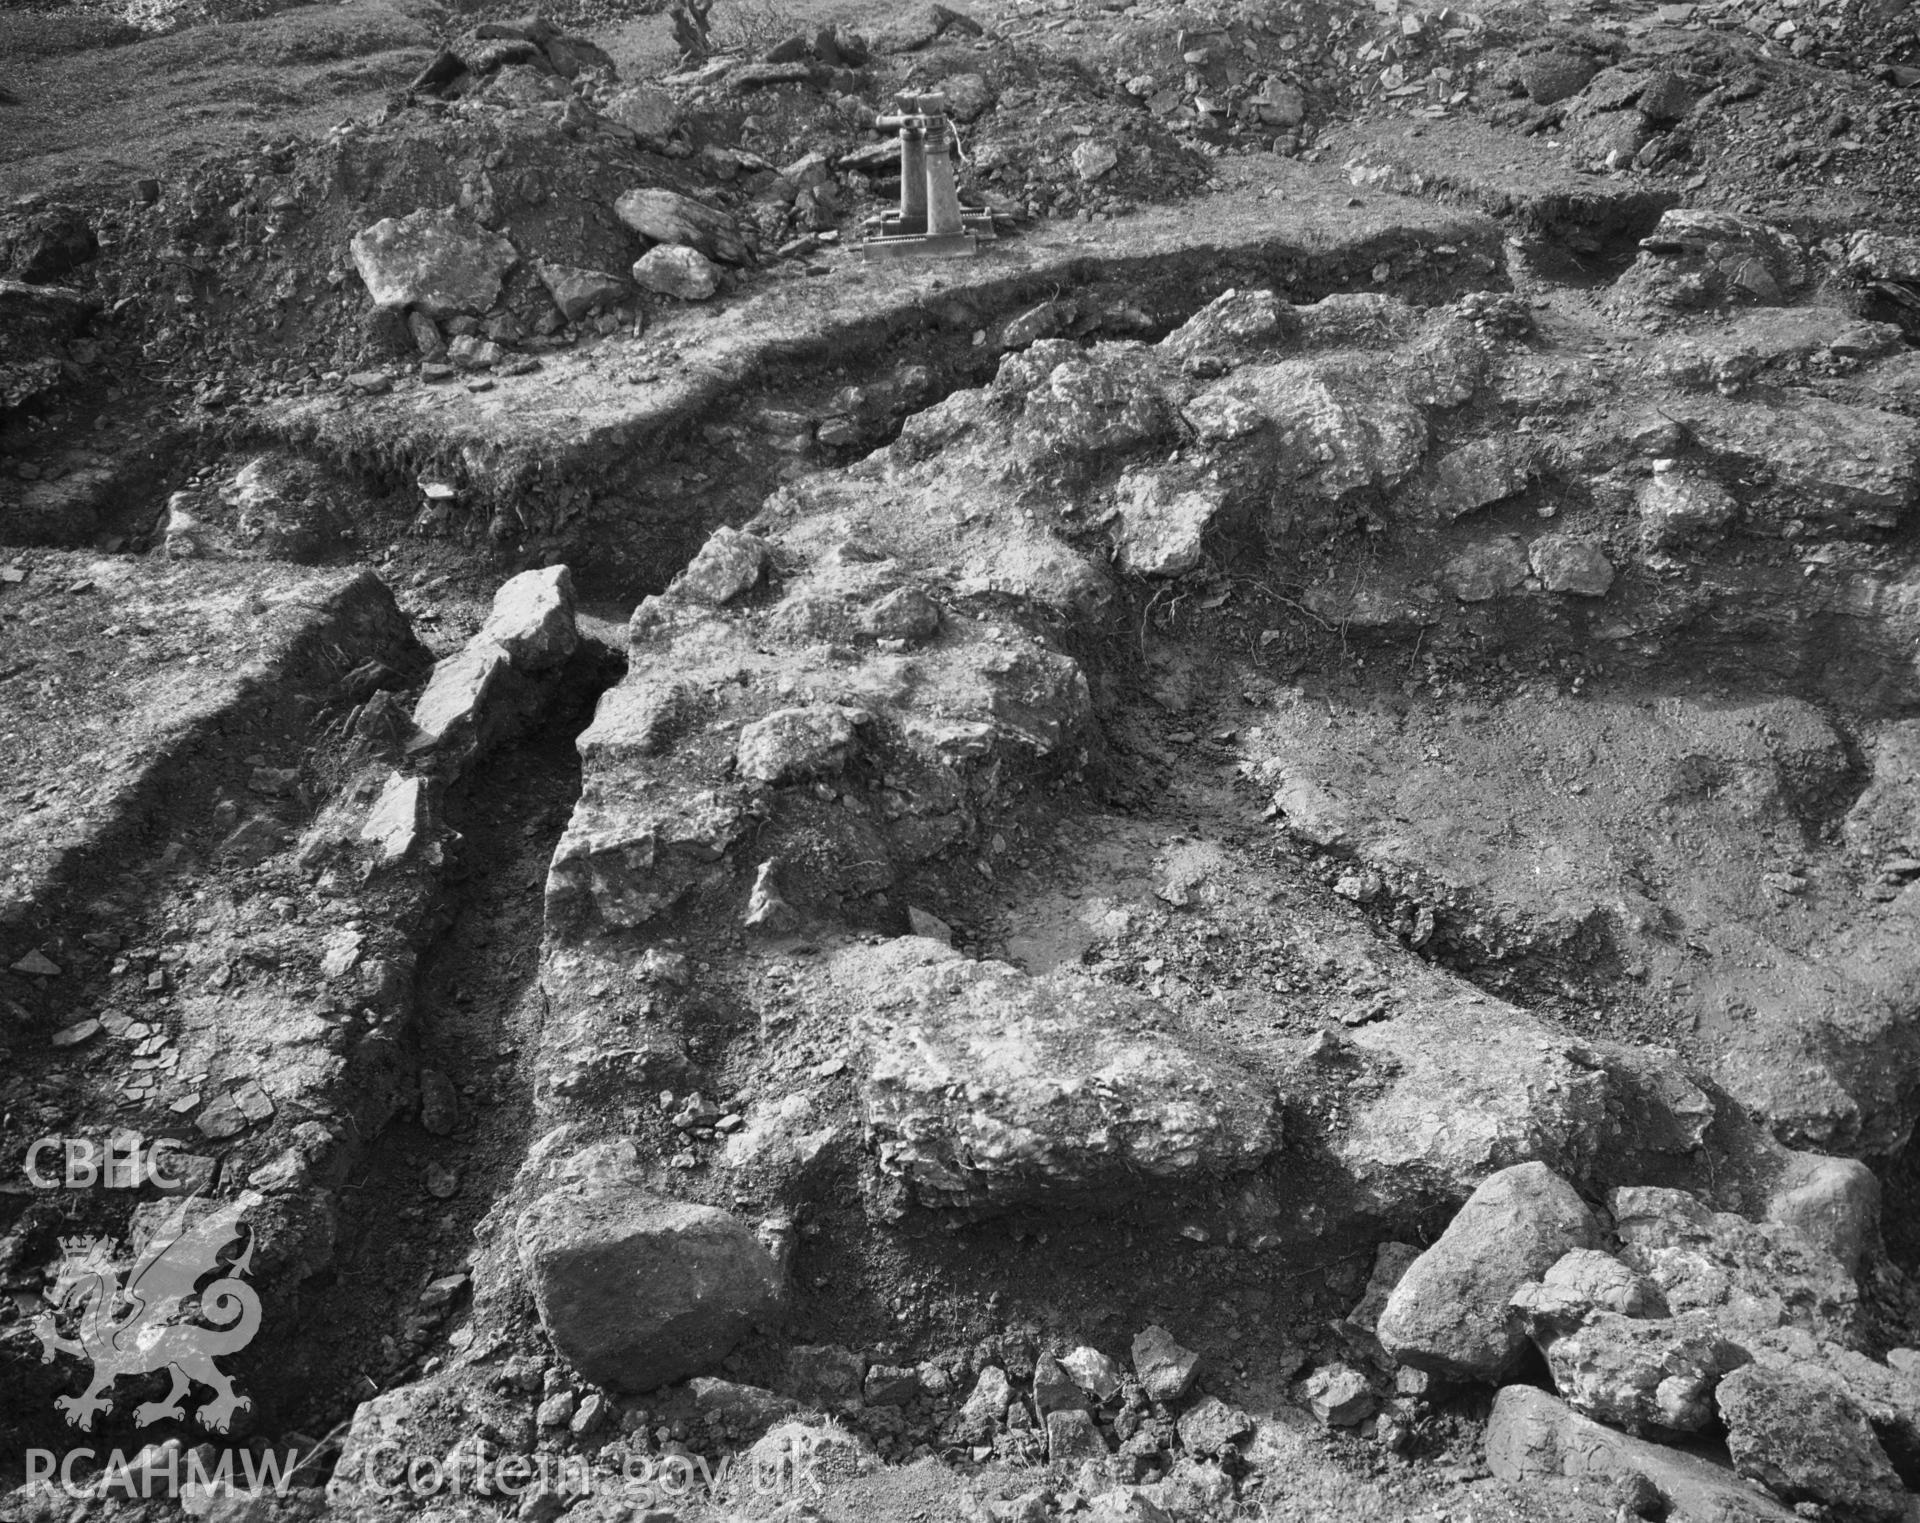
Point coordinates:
pixel 143 1323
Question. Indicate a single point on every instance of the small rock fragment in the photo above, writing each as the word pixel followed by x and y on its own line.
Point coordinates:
pixel 925 923
pixel 1093 1372
pixel 1339 1395
pixel 727 565
pixel 1072 1437
pixel 439 1103
pixel 766 910
pixel 1212 1427
pixel 980 1417
pixel 1166 1370
pixel 1570 563
pixel 1054 1390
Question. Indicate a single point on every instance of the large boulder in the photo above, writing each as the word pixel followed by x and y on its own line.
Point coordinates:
pixel 1852 471
pixel 434 261
pixel 1884 822
pixel 464 693
pixel 1235 322
pixel 674 270
pixel 987 1087
pixel 1807 1441
pixel 1653 1377
pixel 34 321
pixel 491 688
pixel 1450 1313
pixel 1475 475
pixel 1888 1395
pixel 1084 405
pixel 637 1291
pixel 1833 1203
pixel 1677 505
pixel 985 1407
pixel 1571 563
pixel 728 564
pixel 1798 995
pixel 426 1416
pixel 792 745
pixel 1533 1437
pixel 1163 519
pixel 532 619
pixel 1487 569
pixel 572 56
pixel 1696 257
pixel 633 858
pixel 1753 1276
pixel 1884 256
pixel 1553 74
pixel 1454 1087
pixel 1165 1368
pixel 1339 428
pixel 51 243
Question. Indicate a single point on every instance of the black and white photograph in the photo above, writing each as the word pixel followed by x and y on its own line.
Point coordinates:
pixel 1024 761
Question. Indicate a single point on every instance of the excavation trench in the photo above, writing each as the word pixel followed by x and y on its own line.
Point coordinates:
pixel 1179 861
pixel 359 1324
pixel 411 1202
pixel 1169 683
pixel 477 1014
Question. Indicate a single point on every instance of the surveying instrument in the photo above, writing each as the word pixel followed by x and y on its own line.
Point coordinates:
pixel 931 219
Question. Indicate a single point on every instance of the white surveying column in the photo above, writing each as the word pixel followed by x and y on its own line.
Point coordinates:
pixel 931 219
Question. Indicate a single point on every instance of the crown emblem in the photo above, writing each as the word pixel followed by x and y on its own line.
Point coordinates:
pixel 86 1255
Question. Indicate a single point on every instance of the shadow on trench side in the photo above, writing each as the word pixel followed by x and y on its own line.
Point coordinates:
pixel 410 1208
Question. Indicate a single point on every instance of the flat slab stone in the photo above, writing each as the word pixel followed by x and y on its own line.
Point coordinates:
pixel 395 823
pixel 457 693
pixel 1852 468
